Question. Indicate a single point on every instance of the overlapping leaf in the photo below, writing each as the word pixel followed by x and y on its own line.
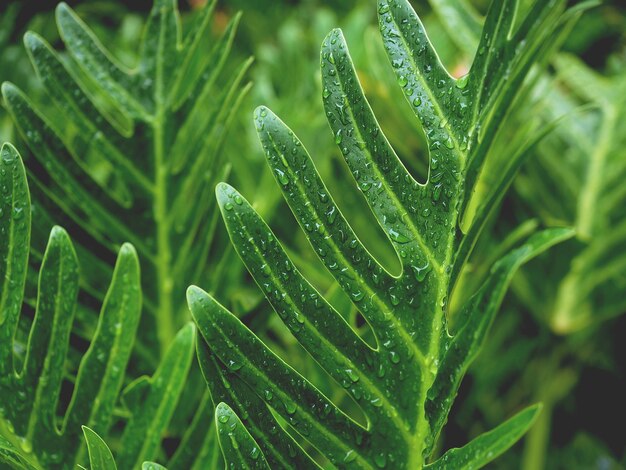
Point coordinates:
pixel 585 190
pixel 406 383
pixel 32 372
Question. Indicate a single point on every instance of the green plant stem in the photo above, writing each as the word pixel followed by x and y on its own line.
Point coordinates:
pixel 537 440
pixel 587 206
pixel 165 323
pixel 555 383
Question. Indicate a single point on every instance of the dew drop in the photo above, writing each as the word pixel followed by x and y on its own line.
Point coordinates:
pixel 350 456
pixel 398 237
pixel 290 407
pixel 282 177
pixel 462 82
pixel 338 137
pixel 352 375
pixel 395 357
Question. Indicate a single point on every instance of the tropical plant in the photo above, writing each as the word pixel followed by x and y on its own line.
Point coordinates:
pixel 136 152
pixel 405 378
pixel 33 351
pixel 591 198
pixel 576 180
pixel 573 180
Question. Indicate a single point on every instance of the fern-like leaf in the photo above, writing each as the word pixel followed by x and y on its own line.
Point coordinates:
pixel 119 164
pixel 32 369
pixel 406 383
pixel 30 384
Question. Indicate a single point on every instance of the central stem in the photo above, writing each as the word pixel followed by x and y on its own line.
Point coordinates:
pixel 164 313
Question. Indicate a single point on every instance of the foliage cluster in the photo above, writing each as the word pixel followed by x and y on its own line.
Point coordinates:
pixel 471 149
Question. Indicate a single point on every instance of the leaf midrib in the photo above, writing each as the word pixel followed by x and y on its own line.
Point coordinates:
pixel 313 420
pixel 371 386
pixel 382 305
pixel 388 190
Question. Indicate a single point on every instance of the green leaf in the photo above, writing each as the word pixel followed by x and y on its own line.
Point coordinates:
pixel 585 191
pixel 238 446
pixel 14 243
pixel 146 427
pixel 489 445
pixel 12 456
pixel 31 431
pixel 280 450
pixel 100 457
pixel 476 317
pixel 152 466
pixel 398 382
pixel 135 145
pixel 31 390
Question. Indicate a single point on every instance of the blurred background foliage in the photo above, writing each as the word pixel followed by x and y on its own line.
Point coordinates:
pixel 577 368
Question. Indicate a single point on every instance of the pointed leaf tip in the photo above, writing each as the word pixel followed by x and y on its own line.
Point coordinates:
pixel 533 412
pixel 62 11
pixel 31 40
pixel 59 235
pixel 152 466
pixel 128 249
pixel 194 294
pixel 238 446
pixel 224 193
pixel 7 88
pixel 262 116
pixel 222 409
pixel 489 445
pixel 10 153
pixel 100 456
pixel 260 111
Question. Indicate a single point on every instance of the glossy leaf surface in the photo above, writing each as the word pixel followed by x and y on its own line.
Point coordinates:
pixel 137 150
pixel 30 384
pixel 405 384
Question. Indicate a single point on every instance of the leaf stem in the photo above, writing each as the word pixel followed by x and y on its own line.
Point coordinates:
pixel 165 284
pixel 587 205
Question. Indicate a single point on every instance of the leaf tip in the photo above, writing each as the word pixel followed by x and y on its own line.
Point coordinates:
pixel 188 332
pixel 59 234
pixel 128 263
pixel 332 37
pixel 196 297
pixel 9 154
pixel 220 192
pixel 227 195
pixel 534 411
pixel 260 113
pixel 7 89
pixel 31 40
pixel 222 409
pixel 127 250
pixel 62 9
